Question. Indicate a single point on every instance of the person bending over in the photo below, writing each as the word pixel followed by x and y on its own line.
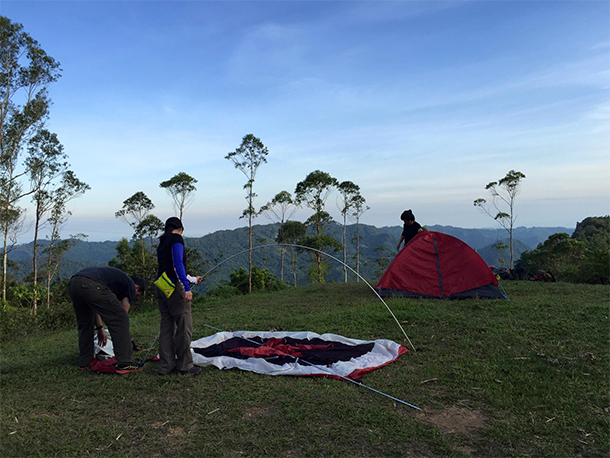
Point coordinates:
pixel 105 294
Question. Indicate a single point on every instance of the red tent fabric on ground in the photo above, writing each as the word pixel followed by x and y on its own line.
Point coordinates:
pixel 437 265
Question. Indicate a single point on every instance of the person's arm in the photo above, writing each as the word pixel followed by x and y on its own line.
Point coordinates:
pixel 402 237
pixel 126 304
pixel 178 256
pixel 102 339
pixel 193 280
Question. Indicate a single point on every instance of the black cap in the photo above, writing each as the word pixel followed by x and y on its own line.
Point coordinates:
pixel 173 223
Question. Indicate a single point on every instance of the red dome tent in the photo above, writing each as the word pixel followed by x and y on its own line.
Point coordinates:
pixel 436 265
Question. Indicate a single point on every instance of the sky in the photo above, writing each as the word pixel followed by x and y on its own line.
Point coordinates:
pixel 420 103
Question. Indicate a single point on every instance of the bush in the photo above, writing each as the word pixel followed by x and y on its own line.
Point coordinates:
pixel 222 290
pixel 18 322
pixel 262 280
pixel 582 258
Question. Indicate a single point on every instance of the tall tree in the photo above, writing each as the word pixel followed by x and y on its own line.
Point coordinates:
pixel 279 210
pixel 313 192
pixel 289 233
pixel 51 201
pixel 57 248
pixel 25 73
pixel 503 193
pixel 247 159
pixel 150 226
pixel 134 211
pixel 69 188
pixel 358 209
pixel 181 188
pixel 349 192
pixel 45 163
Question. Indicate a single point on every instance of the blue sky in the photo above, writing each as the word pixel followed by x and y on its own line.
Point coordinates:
pixel 419 103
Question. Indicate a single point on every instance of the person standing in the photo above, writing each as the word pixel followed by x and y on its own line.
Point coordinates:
pixel 105 294
pixel 410 228
pixel 176 319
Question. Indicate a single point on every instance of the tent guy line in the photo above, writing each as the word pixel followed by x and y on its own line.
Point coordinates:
pixel 330 256
pixel 334 374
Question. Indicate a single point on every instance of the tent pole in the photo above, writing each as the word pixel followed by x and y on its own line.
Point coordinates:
pixel 332 257
pixel 334 374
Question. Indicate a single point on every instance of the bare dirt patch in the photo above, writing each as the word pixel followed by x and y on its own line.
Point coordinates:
pixel 455 419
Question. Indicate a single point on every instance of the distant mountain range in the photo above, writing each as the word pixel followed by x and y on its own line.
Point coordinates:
pixel 217 247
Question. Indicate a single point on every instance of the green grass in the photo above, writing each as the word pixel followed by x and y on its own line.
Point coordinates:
pixel 524 377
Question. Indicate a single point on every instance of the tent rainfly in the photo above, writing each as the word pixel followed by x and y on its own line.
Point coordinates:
pixel 439 266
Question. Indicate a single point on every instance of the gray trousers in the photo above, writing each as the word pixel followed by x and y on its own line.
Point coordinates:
pixel 176 332
pixel 88 298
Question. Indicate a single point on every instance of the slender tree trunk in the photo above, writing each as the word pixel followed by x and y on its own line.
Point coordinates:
pixel 358 249
pixel 345 246
pixel 512 221
pixel 48 289
pixel 4 263
pixel 5 209
pixel 511 245
pixel 250 243
pixel 319 261
pixel 49 277
pixel 294 266
pixel 283 252
pixel 35 266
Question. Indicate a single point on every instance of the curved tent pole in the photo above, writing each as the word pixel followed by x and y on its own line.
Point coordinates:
pixel 330 256
pixel 279 352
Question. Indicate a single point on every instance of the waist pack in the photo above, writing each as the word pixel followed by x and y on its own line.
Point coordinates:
pixel 165 285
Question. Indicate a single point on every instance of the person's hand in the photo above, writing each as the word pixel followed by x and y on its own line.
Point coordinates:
pixel 199 278
pixel 188 296
pixel 398 247
pixel 102 339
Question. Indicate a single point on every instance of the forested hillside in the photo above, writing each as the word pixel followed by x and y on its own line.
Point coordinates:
pixel 377 246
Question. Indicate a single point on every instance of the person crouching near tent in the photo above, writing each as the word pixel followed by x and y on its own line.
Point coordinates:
pixel 410 228
pixel 105 293
pixel 174 303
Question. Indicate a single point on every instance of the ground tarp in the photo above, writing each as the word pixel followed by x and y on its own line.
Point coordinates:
pixel 295 353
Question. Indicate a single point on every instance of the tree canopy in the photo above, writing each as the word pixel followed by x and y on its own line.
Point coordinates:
pixel 181 188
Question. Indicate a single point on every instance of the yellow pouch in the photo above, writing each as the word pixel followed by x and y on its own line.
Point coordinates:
pixel 165 285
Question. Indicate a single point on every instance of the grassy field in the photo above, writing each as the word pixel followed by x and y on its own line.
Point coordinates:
pixel 523 377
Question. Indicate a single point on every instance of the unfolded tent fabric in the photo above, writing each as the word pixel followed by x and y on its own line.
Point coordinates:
pixel 104 360
pixel 295 353
pixel 437 265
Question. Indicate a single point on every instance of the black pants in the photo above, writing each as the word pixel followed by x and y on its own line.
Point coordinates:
pixel 88 298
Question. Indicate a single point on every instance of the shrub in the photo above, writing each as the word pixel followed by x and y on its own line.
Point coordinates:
pixel 222 290
pixel 262 280
pixel 18 322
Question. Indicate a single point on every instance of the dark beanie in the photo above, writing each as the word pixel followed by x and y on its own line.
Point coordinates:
pixel 173 223
pixel 407 215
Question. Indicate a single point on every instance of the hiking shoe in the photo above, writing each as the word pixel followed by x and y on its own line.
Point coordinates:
pixel 192 371
pixel 126 368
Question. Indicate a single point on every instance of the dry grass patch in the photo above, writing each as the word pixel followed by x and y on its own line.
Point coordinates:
pixel 455 419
